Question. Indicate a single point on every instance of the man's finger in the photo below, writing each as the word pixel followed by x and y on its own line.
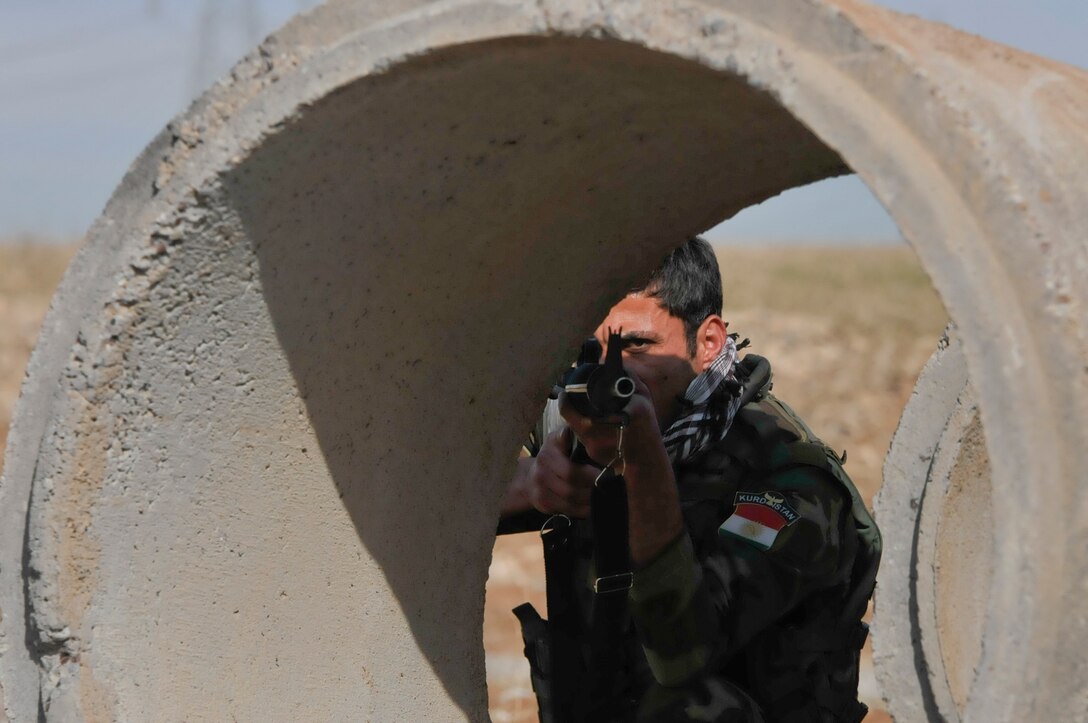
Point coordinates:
pixel 598 435
pixel 565 438
pixel 548 502
pixel 558 442
pixel 583 476
pixel 576 423
pixel 564 478
pixel 554 460
pixel 568 490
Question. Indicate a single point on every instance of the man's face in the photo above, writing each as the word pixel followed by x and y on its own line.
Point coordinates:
pixel 656 351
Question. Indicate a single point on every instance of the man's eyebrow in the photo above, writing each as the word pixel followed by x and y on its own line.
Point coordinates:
pixel 648 335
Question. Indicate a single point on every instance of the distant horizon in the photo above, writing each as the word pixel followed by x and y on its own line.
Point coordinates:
pixel 775 242
pixel 784 242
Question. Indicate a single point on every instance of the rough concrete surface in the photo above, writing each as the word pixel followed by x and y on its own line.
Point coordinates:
pixel 258 458
pixel 936 572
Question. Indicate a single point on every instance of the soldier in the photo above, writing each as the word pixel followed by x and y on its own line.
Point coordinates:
pixel 753 557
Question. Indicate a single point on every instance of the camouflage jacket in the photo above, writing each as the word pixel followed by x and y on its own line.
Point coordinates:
pixel 755 589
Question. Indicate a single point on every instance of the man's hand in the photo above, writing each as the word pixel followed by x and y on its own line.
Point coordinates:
pixel 653 502
pixel 551 482
pixel 601 437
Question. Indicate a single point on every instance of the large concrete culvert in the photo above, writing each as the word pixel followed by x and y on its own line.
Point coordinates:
pixel 258 458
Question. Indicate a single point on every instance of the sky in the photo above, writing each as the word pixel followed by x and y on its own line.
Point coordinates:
pixel 84 86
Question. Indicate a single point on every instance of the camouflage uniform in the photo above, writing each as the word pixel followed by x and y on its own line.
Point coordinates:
pixel 722 629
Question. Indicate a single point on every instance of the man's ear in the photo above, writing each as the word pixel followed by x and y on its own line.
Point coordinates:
pixel 710 340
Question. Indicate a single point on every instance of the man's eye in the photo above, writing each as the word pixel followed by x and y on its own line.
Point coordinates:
pixel 635 343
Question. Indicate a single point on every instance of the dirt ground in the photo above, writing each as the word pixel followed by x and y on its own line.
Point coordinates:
pixel 847 331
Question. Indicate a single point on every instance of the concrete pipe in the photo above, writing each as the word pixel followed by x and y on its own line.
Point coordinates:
pixel 258 459
pixel 938 562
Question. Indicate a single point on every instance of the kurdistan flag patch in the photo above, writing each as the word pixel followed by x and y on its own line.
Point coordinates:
pixel 758 517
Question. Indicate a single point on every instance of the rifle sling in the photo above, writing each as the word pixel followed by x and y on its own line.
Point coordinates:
pixel 564 665
pixel 609 617
pixel 582 676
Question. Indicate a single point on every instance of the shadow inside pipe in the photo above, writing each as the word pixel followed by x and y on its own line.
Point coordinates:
pixel 432 241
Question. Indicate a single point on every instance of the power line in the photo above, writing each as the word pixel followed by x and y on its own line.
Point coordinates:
pixel 210 52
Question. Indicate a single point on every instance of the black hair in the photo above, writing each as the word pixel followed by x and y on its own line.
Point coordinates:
pixel 688 285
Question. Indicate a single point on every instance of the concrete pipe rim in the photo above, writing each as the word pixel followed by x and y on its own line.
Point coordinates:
pixel 788 48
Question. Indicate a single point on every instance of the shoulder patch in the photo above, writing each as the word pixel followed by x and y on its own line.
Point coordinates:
pixel 758 517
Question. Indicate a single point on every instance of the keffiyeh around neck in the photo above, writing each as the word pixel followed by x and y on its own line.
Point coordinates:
pixel 708 409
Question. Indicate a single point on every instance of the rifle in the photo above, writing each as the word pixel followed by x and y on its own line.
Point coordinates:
pixel 572 663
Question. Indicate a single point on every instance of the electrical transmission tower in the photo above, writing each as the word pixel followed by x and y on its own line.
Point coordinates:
pixel 219 22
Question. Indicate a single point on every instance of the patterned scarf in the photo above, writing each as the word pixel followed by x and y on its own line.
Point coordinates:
pixel 708 408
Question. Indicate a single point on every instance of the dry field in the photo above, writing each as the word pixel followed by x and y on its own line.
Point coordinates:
pixel 28 276
pixel 846 330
